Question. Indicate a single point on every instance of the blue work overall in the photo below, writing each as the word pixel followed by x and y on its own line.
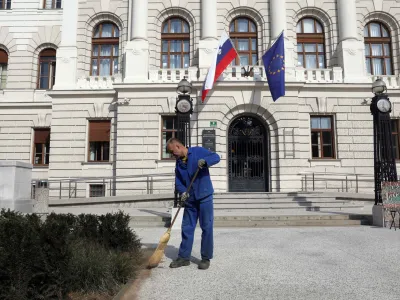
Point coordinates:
pixel 199 205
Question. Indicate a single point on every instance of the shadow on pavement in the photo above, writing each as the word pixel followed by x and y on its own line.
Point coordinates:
pixel 171 252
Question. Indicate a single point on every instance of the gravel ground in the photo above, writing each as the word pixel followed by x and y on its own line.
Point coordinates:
pixel 281 263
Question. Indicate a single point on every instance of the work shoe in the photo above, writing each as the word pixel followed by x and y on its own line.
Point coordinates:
pixel 180 262
pixel 204 264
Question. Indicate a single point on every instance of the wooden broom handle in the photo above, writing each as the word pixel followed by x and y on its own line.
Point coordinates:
pixel 187 191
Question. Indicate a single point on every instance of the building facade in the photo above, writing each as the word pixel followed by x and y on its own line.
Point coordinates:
pixel 88 88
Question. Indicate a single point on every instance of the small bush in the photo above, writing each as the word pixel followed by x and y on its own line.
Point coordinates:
pixel 65 253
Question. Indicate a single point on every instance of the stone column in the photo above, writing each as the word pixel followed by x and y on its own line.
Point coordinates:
pixel 209 37
pixel 350 49
pixel 278 23
pixel 137 49
pixel 67 53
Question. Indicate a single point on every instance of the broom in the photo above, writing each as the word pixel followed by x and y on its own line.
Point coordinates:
pixel 155 259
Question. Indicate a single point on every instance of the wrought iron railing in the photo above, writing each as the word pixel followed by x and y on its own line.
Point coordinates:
pixel 338 182
pixel 111 186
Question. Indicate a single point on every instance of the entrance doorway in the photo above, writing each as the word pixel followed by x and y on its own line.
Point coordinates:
pixel 248 155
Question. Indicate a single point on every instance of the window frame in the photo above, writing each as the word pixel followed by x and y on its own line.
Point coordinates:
pixel 397 134
pixel 311 39
pixel 249 35
pixel 108 41
pixel 43 154
pixel 91 192
pixel 101 144
pixel 321 144
pixel 53 4
pixel 52 60
pixel 6 4
pixel 182 37
pixel 174 131
pixel 3 68
pixel 378 41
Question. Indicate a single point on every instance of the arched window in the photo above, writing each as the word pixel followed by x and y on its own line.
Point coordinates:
pixel 175 43
pixel 243 33
pixel 105 50
pixel 3 68
pixel 47 69
pixel 378 56
pixel 310 44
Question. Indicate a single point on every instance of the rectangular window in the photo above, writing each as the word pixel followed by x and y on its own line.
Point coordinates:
pixel 41 151
pixel 97 190
pixel 52 4
pixel 3 76
pixel 395 137
pixel 99 140
pixel 322 137
pixel 47 69
pixel 168 130
pixel 5 4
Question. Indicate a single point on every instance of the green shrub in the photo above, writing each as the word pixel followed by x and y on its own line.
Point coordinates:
pixel 49 259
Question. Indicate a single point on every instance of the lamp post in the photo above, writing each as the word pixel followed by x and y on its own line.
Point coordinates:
pixel 184 109
pixel 384 157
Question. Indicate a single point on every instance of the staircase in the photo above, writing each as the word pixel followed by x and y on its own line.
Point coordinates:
pixel 279 210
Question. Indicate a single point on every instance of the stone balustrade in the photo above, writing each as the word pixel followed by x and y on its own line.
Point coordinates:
pixel 98 82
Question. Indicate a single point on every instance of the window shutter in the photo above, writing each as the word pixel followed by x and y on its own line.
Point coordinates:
pixel 99 131
pixel 42 136
pixel 3 57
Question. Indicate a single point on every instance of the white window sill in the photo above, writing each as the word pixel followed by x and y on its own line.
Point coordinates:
pixel 97 165
pixel 161 163
pixel 325 162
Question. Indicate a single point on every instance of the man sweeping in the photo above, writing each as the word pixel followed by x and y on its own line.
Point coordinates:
pixel 198 203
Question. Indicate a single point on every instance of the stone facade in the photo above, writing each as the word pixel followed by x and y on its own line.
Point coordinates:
pixel 136 98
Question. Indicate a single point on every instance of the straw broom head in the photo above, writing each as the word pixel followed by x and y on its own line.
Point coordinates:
pixel 155 259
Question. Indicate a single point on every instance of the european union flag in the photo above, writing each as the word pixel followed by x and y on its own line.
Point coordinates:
pixel 274 63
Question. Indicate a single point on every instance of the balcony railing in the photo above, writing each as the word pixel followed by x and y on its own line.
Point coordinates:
pixel 98 82
pixel 392 81
pixel 172 75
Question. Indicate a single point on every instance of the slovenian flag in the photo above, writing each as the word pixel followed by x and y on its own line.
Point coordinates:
pixel 223 57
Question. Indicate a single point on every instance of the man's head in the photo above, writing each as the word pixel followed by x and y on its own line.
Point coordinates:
pixel 176 148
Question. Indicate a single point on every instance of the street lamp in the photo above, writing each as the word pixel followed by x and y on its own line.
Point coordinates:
pixel 184 109
pixel 384 156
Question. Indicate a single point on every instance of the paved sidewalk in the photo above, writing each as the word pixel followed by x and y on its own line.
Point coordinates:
pixel 281 263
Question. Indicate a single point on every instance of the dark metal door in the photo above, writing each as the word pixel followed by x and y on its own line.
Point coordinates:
pixel 247 155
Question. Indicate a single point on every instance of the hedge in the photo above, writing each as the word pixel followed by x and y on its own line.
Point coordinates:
pixel 48 259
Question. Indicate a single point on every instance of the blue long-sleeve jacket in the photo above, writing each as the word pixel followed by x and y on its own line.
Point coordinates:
pixel 202 186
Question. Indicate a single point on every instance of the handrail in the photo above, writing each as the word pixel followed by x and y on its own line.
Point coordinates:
pixel 346 178
pixel 104 177
pixel 333 173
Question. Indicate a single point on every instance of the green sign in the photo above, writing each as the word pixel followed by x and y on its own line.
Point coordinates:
pixel 213 123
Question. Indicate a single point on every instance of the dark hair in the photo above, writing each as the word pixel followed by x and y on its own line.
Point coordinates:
pixel 173 141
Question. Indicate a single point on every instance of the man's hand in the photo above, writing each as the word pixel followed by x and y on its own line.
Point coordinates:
pixel 184 197
pixel 201 163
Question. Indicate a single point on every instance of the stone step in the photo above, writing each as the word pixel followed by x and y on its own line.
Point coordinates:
pixel 290 223
pixel 279 200
pixel 264 221
pixel 268 204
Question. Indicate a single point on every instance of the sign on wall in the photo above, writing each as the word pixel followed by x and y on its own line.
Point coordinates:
pixel 209 139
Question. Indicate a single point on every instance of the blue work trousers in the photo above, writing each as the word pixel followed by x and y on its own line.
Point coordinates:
pixel 201 210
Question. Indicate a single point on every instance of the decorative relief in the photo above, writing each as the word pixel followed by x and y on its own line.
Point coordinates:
pixel 41 122
pixel 137 51
pixel 352 52
pixel 322 104
pixel 208 50
pixel 65 60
